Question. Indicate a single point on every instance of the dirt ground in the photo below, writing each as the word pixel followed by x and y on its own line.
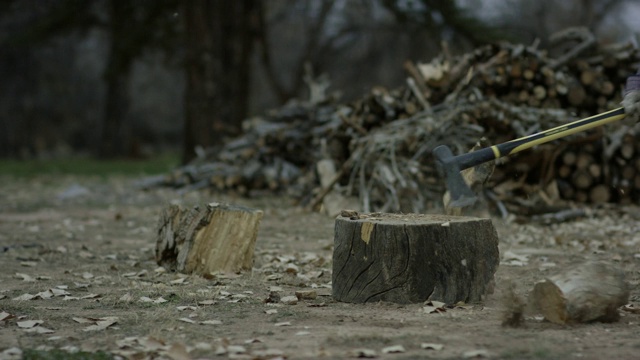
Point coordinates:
pixel 78 274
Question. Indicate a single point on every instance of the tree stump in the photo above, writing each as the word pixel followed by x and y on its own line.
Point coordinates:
pixel 216 237
pixel 589 292
pixel 409 258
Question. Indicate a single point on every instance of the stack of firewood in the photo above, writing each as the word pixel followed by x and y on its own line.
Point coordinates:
pixel 381 144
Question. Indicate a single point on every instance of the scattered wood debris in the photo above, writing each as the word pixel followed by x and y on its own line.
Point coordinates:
pixel 380 145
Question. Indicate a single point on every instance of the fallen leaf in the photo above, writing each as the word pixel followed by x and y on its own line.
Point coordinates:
pixel 186 307
pixel 211 322
pixel 98 323
pixel 25 277
pixel 395 349
pixel 187 320
pixel 178 352
pixel 362 353
pixel 27 324
pixel 39 330
pixel 6 316
pixel 432 346
pixel 24 297
pixel 306 294
pixel 302 333
pixel 475 354
pixel 631 308
pixel 271 311
pixel 28 263
pixel 207 302
pixel 236 349
pixel 285 323
pixel 178 281
pixel 126 298
pixel 159 300
pixel 68 298
pixel 289 300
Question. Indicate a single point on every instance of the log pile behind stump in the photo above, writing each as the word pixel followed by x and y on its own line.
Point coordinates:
pixel 382 142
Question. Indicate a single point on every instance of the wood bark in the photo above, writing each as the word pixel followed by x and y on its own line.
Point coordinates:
pixel 203 240
pixel 219 42
pixel 409 258
pixel 589 292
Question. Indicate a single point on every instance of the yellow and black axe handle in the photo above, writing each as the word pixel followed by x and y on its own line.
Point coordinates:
pixel 450 166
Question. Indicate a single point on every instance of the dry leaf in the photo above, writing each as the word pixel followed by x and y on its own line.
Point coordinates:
pixel 236 349
pixel 98 323
pixel 631 308
pixel 25 277
pixel 211 322
pixel 39 330
pixel 27 324
pixel 207 302
pixel 289 300
pixel 126 298
pixel 285 323
pixel 178 352
pixel 395 349
pixel 306 294
pixel 24 297
pixel 362 353
pixel 159 300
pixel 475 354
pixel 432 346
pixel 186 307
pixel 6 316
pixel 187 320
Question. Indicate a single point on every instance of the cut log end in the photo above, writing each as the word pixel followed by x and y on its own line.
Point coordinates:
pixel 206 239
pixel 409 258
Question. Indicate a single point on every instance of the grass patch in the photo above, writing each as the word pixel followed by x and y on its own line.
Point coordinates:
pixel 56 354
pixel 88 166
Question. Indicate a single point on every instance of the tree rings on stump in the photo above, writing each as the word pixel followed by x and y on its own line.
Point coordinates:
pixel 409 258
pixel 216 237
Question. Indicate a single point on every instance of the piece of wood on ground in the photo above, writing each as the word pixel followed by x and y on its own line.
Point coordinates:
pixel 592 291
pixel 207 239
pixel 333 202
pixel 410 258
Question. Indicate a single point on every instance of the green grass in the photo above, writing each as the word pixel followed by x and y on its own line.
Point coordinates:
pixel 88 166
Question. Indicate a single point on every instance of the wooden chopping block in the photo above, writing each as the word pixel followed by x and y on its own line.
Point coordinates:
pixel 410 258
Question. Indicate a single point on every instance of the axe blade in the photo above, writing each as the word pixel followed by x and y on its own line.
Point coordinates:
pixel 449 167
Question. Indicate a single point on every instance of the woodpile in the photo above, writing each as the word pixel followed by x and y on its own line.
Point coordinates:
pixel 381 144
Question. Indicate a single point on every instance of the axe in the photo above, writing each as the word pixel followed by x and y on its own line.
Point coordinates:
pixel 449 166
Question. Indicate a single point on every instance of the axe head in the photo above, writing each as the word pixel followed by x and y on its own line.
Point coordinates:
pixel 449 167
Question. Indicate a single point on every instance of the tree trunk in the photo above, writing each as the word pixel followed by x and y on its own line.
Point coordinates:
pixel 219 39
pixel 121 22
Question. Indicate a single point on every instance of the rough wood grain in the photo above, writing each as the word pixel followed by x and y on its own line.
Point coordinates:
pixel 592 291
pixel 212 238
pixel 409 258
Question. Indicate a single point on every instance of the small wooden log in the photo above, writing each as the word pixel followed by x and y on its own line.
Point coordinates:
pixel 409 258
pixel 216 237
pixel 592 291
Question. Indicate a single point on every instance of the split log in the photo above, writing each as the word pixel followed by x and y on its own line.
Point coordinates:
pixel 589 292
pixel 216 237
pixel 410 258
